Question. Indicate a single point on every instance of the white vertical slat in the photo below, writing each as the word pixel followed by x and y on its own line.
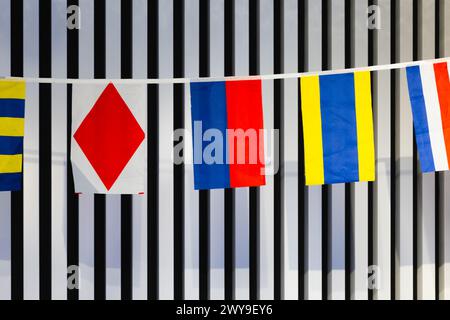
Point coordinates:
pixel 336 218
pixel 86 201
pixel 217 243
pixel 113 222
pixel 266 261
pixel 313 219
pixel 360 206
pixel 404 156
pixel 290 179
pixel 166 252
pixel 5 246
pixel 59 152
pixel 241 37
pixel 382 185
pixel 139 256
pixel 444 211
pixel 5 38
pixel 242 240
pixel 426 182
pixel 191 244
pixel 5 197
pixel 31 154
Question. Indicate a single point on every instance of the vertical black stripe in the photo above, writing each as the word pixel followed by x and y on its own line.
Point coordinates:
pixel 415 163
pixel 415 35
pixel 229 193
pixel 301 45
pixel 415 221
pixel 349 26
pixel 126 270
pixel 254 192
pixel 325 34
pixel 17 196
pixel 204 195
pixel 99 200
pixel 371 43
pixel 229 37
pixel 393 147
pixel 178 123
pixel 437 235
pixel 326 190
pixel 370 229
pixel 254 37
pixel 72 211
pixel 153 151
pixel 439 176
pixel 437 28
pixel 370 219
pixel 278 125
pixel 72 198
pixel 45 151
pixel 126 36
pixel 349 240
pixel 126 200
pixel 17 38
pixel 349 54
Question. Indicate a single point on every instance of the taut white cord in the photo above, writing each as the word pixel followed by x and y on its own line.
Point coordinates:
pixel 230 78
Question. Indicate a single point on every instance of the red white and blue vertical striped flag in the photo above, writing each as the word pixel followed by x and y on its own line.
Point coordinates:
pixel 429 92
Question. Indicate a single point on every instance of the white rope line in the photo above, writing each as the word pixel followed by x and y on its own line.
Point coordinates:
pixel 230 78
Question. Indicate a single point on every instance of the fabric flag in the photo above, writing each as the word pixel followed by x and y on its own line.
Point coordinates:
pixel 338 128
pixel 429 92
pixel 228 138
pixel 109 125
pixel 12 126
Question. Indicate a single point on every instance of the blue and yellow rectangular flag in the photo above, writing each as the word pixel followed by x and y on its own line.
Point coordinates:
pixel 338 128
pixel 12 114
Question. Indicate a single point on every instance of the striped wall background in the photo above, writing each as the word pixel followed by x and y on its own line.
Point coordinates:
pixel 281 241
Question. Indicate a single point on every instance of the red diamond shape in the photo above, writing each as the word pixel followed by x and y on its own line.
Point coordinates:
pixel 109 136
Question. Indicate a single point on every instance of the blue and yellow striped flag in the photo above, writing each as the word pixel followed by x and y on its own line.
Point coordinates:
pixel 12 114
pixel 338 128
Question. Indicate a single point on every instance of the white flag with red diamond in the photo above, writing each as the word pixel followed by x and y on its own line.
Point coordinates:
pixel 109 138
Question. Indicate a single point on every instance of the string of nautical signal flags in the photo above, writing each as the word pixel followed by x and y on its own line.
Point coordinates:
pixel 229 146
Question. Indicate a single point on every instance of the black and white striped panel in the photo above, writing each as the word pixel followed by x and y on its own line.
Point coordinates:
pixel 280 241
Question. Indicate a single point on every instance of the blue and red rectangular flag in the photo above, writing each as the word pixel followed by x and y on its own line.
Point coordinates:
pixel 228 137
